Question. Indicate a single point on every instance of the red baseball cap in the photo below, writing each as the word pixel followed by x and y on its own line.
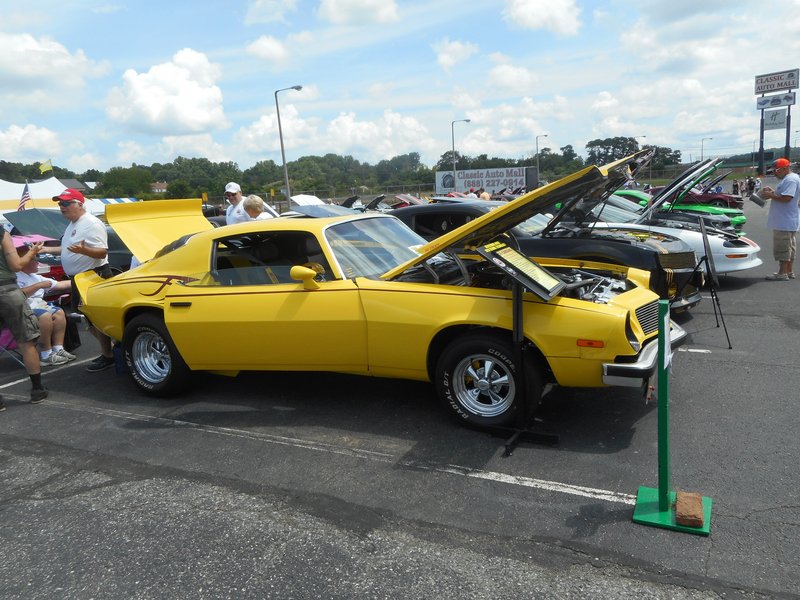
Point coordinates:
pixel 781 163
pixel 70 194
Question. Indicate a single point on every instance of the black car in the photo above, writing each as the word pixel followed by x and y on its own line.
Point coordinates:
pixel 671 262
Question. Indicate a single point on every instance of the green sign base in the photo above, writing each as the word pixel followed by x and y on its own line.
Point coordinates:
pixel 647 512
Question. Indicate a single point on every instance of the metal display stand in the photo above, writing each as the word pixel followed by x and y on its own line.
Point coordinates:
pixel 526 429
pixel 656 506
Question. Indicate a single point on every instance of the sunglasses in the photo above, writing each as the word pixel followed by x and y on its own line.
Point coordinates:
pixel 229 195
pixel 66 203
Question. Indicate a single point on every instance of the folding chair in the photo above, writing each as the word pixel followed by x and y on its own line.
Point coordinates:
pixel 8 345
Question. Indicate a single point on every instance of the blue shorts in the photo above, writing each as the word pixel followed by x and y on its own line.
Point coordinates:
pixel 51 309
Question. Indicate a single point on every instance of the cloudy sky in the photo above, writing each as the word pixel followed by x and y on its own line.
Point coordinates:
pixel 102 83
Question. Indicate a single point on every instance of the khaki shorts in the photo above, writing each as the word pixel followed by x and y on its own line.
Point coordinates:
pixel 17 315
pixel 783 245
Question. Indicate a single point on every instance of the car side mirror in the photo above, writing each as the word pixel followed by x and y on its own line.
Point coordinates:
pixel 305 275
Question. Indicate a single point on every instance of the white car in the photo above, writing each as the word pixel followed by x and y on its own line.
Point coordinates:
pixel 730 252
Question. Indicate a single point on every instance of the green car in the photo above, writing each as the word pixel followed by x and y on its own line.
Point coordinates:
pixel 736 215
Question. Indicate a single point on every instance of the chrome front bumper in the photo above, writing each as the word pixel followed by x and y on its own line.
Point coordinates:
pixel 633 374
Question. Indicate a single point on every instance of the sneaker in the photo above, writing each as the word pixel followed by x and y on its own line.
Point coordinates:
pixel 37 395
pixel 777 277
pixel 67 355
pixel 101 363
pixel 791 275
pixel 54 360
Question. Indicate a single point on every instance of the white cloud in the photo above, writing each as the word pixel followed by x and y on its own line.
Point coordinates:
pixel 28 143
pixel 194 146
pixel 41 73
pixel 519 79
pixel 83 162
pixel 449 54
pixel 269 49
pixel 174 98
pixel 384 138
pixel 559 16
pixel 268 11
pixel 342 12
pixel 262 135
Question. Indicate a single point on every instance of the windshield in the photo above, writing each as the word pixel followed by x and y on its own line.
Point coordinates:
pixel 371 247
pixel 613 214
pixel 534 225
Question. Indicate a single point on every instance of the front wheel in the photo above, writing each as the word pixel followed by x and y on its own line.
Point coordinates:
pixel 152 358
pixel 478 380
pixel 719 204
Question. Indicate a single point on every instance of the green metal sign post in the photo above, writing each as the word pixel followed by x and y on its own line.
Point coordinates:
pixel 656 507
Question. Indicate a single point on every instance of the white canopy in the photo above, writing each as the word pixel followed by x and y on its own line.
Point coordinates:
pixel 46 188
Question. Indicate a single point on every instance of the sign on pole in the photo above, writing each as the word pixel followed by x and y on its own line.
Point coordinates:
pixel 785 99
pixel 775 119
pixel 772 82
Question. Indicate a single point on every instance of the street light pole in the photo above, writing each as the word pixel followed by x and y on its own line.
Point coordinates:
pixel 701 146
pixel 280 136
pixel 453 140
pixel 538 174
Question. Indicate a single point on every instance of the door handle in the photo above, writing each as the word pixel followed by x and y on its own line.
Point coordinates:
pixel 180 304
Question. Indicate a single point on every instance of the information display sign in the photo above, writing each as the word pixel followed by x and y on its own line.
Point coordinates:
pixel 530 274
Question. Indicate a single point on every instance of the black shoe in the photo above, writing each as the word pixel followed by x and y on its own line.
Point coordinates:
pixel 101 363
pixel 37 395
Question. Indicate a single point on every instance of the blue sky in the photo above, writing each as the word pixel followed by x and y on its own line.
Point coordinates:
pixel 103 83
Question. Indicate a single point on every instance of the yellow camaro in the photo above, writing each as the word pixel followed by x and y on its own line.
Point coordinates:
pixel 364 294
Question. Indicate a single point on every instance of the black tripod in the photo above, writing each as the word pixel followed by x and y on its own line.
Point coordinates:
pixel 712 288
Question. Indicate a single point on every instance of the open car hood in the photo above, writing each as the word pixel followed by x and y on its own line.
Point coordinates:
pixel 38 221
pixel 146 227
pixel 680 186
pixel 616 174
pixel 584 186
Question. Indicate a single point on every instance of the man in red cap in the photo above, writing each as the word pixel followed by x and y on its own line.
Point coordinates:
pixel 783 218
pixel 84 246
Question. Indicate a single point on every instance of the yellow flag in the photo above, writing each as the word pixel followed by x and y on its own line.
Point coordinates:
pixel 46 166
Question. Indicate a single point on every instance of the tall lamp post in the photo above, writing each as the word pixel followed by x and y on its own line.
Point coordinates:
pixel 280 135
pixel 538 175
pixel 453 139
pixel 701 146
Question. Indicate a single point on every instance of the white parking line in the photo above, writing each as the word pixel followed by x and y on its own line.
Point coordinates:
pixel 383 457
pixel 696 350
pixel 45 372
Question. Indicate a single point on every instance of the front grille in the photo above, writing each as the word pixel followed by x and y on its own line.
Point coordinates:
pixel 647 316
pixel 677 260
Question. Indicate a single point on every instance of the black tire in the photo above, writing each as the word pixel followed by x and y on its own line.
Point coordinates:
pixel 719 203
pixel 481 398
pixel 152 358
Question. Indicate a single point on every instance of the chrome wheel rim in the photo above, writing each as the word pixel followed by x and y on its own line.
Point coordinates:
pixel 483 385
pixel 150 357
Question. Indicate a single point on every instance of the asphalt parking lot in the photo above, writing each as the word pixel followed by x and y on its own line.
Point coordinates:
pixel 314 485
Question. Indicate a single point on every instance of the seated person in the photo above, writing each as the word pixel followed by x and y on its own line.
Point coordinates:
pixel 52 320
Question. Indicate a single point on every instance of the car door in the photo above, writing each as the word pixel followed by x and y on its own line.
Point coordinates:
pixel 248 313
pixel 269 326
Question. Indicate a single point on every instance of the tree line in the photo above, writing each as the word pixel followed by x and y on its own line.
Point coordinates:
pixel 329 175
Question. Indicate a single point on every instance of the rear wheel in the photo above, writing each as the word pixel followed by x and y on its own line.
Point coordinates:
pixel 153 360
pixel 719 203
pixel 478 380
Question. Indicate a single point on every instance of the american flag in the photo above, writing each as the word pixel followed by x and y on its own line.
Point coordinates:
pixel 26 195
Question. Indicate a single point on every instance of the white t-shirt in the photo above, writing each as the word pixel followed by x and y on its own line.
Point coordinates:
pixel 236 214
pixel 92 231
pixel 36 299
